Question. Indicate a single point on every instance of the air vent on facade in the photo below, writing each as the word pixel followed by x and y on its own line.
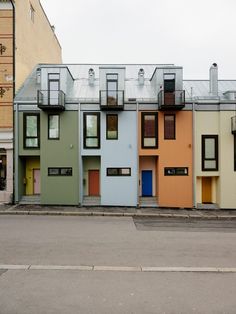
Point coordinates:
pixel 131 99
pixel 91 76
pixel 141 76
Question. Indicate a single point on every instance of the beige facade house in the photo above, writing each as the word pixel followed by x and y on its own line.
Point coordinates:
pixel 26 39
pixel 214 144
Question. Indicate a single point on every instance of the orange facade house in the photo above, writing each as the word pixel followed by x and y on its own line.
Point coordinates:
pixel 165 146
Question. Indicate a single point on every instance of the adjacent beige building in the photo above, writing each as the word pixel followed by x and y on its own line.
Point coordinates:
pixel 26 39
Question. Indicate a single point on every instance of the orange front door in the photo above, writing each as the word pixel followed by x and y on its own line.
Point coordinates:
pixel 206 190
pixel 93 179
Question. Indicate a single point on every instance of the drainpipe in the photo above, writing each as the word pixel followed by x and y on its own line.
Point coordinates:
pixel 14 90
pixel 15 156
pixel 137 130
pixel 80 168
pixel 193 154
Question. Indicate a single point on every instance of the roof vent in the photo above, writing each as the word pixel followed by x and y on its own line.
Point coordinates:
pixel 213 80
pixel 141 76
pixel 91 76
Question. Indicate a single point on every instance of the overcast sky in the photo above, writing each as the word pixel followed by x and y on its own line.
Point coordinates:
pixel 190 33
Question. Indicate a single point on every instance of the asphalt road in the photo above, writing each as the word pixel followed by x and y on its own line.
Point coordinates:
pixel 116 242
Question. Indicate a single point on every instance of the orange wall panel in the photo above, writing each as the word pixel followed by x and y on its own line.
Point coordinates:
pixel 173 191
pixel 6 117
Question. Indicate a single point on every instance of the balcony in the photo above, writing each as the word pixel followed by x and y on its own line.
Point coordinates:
pixel 233 125
pixel 171 100
pixel 112 99
pixel 51 100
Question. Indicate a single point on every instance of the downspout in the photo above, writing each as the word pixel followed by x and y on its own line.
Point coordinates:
pixel 137 132
pixel 15 156
pixel 193 154
pixel 80 167
pixel 14 90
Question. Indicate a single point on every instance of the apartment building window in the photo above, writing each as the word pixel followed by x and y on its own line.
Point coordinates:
pixel 91 130
pixel 32 13
pixel 31 130
pixel 169 126
pixel 149 130
pixel 209 152
pixel 112 89
pixel 53 126
pixel 112 127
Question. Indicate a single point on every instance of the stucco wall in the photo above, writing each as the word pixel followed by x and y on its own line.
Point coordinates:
pixel 35 41
pixel 120 153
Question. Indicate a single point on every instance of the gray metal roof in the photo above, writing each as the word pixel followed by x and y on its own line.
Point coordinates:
pixel 83 91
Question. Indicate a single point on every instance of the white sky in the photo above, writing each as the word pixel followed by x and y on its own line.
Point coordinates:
pixel 189 33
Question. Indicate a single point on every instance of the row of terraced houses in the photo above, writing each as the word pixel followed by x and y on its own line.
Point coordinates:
pixel 125 135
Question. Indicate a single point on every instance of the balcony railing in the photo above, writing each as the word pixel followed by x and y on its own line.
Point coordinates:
pixel 171 100
pixel 51 100
pixel 112 99
pixel 233 125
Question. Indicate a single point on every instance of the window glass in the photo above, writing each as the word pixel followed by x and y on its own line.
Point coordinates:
pixel 209 152
pixel 31 130
pixel 91 130
pixel 91 125
pixel 112 127
pixel 53 125
pixel 31 126
pixel 149 130
pixel 209 148
pixel 169 126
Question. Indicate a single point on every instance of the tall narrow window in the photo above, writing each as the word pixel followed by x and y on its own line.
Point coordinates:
pixel 149 130
pixel 31 130
pixel 209 152
pixel 53 88
pixel 53 126
pixel 112 89
pixel 169 126
pixel 112 127
pixel 91 130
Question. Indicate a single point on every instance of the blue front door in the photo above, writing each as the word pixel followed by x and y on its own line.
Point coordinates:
pixel 147 183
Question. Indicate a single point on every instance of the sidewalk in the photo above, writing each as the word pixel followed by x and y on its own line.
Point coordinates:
pixel 117 211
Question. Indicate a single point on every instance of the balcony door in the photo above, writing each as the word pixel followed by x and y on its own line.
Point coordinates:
pixel 169 89
pixel 112 89
pixel 53 89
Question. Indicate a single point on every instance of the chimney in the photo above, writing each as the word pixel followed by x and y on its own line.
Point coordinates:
pixel 213 73
pixel 91 76
pixel 141 76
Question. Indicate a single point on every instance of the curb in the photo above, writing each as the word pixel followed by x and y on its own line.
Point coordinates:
pixel 117 214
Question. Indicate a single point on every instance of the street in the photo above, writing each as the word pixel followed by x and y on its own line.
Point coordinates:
pixel 62 264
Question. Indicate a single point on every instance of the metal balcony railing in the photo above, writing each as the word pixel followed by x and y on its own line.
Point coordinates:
pixel 171 100
pixel 112 99
pixel 233 125
pixel 51 99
